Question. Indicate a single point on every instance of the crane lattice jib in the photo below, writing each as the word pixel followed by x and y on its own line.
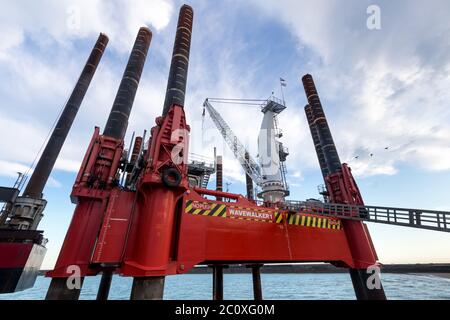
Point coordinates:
pixel 249 165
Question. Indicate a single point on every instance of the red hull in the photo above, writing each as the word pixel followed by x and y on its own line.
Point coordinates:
pixel 19 265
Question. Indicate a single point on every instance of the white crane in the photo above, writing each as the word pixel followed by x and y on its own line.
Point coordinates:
pixel 269 174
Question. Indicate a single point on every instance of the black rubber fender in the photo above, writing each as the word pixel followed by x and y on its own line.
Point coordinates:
pixel 171 177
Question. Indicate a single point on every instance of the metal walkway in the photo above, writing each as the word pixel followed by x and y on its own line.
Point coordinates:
pixel 415 218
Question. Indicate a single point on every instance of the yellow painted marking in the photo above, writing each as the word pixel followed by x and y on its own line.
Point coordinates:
pixel 279 218
pixel 293 219
pixel 218 211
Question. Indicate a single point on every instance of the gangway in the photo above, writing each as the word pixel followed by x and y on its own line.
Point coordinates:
pixel 415 218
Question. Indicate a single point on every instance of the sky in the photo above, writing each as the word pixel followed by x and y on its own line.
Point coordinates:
pixel 381 85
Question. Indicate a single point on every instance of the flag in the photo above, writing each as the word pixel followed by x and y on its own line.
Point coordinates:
pixel 283 82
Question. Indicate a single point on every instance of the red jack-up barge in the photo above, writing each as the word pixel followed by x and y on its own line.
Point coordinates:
pixel 157 224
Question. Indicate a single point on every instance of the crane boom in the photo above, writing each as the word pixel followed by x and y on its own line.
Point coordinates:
pixel 248 164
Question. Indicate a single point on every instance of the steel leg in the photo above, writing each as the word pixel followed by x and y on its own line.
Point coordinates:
pixel 256 275
pixel 148 288
pixel 362 292
pixel 217 282
pixel 59 290
pixel 105 285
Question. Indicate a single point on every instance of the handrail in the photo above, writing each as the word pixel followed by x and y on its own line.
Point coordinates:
pixel 416 218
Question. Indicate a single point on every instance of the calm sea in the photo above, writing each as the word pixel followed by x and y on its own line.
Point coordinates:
pixel 275 286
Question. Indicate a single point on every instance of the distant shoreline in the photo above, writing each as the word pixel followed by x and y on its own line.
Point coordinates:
pixel 437 269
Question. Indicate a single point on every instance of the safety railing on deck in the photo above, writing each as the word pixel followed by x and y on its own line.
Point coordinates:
pixel 199 159
pixel 416 218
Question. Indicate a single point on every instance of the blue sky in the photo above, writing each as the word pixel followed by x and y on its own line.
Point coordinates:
pixel 379 88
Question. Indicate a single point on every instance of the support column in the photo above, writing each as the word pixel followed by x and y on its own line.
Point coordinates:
pixel 256 276
pixel 219 176
pixel 58 290
pixel 56 141
pixel 148 288
pixel 335 174
pixel 249 182
pixel 218 281
pixel 359 279
pixel 105 285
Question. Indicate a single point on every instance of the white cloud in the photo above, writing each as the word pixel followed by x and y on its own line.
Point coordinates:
pixel 384 88
pixel 11 169
pixel 65 20
pixel 53 183
pixel 40 60
pixel 380 89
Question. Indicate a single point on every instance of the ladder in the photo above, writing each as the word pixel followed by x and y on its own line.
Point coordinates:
pixel 205 179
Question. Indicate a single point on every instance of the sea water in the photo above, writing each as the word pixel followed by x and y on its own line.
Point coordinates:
pixel 316 286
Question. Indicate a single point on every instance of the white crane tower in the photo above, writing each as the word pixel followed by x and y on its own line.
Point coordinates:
pixel 269 173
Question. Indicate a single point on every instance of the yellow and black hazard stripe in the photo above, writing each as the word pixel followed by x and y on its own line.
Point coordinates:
pixel 216 210
pixel 315 222
pixel 220 210
pixel 278 217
